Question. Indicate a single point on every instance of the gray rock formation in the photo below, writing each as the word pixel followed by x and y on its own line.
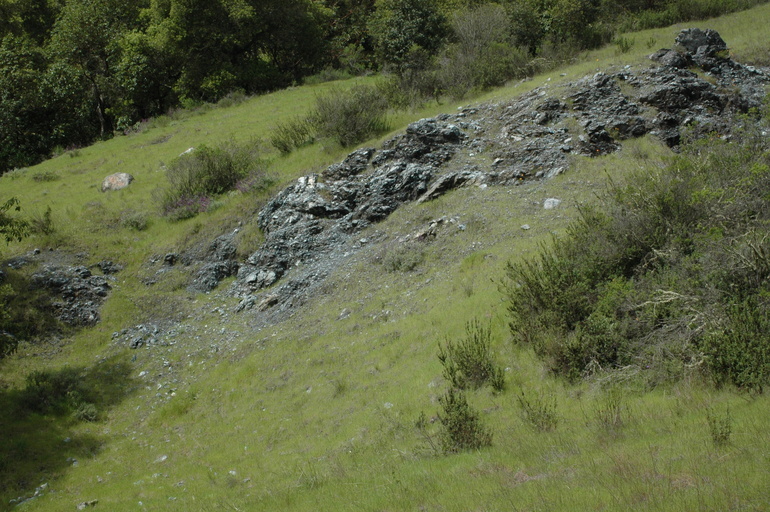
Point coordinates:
pixel 311 225
pixel 80 294
pixel 218 262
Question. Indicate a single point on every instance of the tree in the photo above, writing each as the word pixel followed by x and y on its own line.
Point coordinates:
pixel 86 37
pixel 401 28
pixel 350 44
pixel 12 227
pixel 24 129
pixel 28 18
pixel 215 47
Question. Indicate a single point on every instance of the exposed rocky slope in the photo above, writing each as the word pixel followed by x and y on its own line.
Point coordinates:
pixel 313 224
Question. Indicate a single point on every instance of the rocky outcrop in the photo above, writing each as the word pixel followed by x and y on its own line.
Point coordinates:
pixel 216 263
pixel 78 294
pixel 313 224
pixel 317 214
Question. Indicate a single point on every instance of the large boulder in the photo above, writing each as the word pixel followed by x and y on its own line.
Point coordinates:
pixel 117 181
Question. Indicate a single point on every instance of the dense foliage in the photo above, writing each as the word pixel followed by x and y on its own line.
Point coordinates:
pixel 73 71
pixel 668 276
pixel 202 173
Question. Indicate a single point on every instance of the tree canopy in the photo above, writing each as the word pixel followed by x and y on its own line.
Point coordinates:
pixel 74 71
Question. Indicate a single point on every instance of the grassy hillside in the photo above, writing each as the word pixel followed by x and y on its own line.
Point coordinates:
pixel 321 411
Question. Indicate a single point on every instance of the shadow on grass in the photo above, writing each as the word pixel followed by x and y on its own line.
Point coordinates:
pixel 37 438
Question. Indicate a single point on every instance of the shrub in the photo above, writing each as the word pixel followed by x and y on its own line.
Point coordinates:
pixel 327 74
pixel 483 55
pixel 469 363
pixel 461 426
pixel 624 44
pixel 347 118
pixel 738 352
pixel 666 270
pixel 720 427
pixel 412 89
pixel 288 136
pixel 42 224
pixel 611 413
pixel 403 259
pixel 44 176
pixel 86 412
pixel 232 98
pixel 61 391
pixel 539 411
pixel 25 311
pixel 351 117
pixel 186 207
pixel 196 176
pixel 47 391
pixel 132 219
pixel 397 27
pixel 12 227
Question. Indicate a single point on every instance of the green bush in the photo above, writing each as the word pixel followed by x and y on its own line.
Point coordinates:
pixel 86 412
pixel 196 176
pixel 611 413
pixel 539 411
pixel 351 117
pixel 669 269
pixel 61 391
pixel 26 312
pixel 327 74
pixel 293 134
pixel 132 219
pixel 483 54
pixel 469 363
pixel 624 44
pixel 49 391
pixel 42 224
pixel 461 426
pixel 737 351
pixel 403 259
pixel 45 176
pixel 232 99
pixel 398 27
pixel 345 117
pixel 720 427
pixel 12 227
pixel 412 89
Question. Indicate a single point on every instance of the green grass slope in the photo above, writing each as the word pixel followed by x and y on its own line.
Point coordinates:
pixel 320 411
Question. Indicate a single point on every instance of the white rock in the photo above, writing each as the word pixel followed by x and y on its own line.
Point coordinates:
pixel 117 181
pixel 551 203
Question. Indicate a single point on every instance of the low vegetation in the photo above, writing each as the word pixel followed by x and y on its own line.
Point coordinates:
pixel 345 118
pixel 197 177
pixel 469 363
pixel 667 275
pixel 630 330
